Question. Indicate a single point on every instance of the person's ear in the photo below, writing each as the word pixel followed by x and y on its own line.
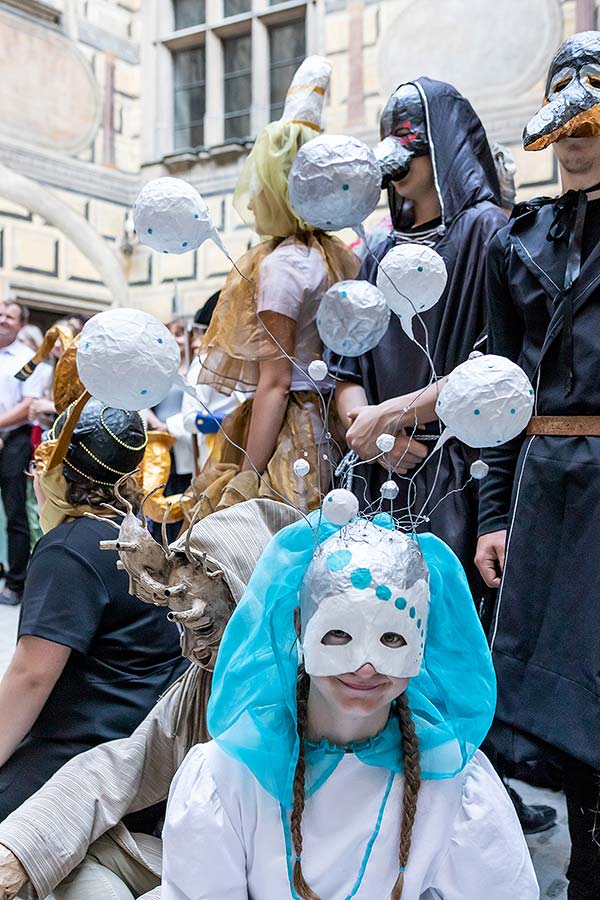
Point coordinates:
pixel 297 620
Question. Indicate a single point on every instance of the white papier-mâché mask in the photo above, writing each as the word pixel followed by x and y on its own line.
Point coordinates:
pixel 370 583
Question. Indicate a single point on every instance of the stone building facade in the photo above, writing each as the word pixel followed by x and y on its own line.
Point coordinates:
pixel 99 96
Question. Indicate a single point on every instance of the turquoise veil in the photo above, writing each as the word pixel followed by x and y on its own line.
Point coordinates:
pixel 252 709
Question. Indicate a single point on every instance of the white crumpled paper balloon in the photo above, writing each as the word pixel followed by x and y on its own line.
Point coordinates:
pixel 412 279
pixel 485 402
pixel 170 216
pixel 318 370
pixel 335 182
pixel 127 359
pixel 352 317
pixel 340 506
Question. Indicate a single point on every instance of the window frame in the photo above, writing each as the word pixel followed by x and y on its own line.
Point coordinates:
pixel 255 23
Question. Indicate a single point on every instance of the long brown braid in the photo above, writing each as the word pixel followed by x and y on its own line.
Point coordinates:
pixel 412 783
pixel 300 885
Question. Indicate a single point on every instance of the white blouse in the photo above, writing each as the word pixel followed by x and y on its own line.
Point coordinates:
pixel 223 837
pixel 292 280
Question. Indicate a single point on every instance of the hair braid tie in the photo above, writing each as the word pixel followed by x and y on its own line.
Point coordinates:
pixel 412 783
pixel 298 881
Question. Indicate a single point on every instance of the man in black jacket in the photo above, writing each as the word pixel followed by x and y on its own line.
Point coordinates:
pixel 543 490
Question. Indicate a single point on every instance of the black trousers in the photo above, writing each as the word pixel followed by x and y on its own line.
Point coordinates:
pixel 582 789
pixel 14 459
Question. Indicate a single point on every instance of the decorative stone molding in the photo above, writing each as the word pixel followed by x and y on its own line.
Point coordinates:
pixel 37 9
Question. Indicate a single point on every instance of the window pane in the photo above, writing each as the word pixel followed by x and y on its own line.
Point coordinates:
pixel 189 13
pixel 189 67
pixel 287 50
pixel 189 97
pixel 237 59
pixel 235 7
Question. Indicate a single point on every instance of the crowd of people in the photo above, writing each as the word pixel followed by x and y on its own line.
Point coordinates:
pixel 353 692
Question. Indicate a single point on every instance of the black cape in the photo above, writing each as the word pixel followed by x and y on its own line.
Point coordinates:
pixel 546 490
pixel 468 189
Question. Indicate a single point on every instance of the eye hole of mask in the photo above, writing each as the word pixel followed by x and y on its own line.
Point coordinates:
pixel 562 84
pixel 401 131
pixel 594 81
pixel 336 638
pixel 392 640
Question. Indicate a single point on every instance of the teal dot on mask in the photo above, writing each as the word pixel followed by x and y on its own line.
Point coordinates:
pixel 400 603
pixel 384 520
pixel 383 592
pixel 338 560
pixel 361 579
pixel 412 612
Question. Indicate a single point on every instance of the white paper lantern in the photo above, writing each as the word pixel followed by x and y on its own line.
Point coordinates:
pixel 340 506
pixel 171 217
pixel 352 317
pixel 127 359
pixel 412 278
pixel 301 468
pixel 479 469
pixel 486 401
pixel 389 490
pixel 318 370
pixel 335 182
pixel 385 442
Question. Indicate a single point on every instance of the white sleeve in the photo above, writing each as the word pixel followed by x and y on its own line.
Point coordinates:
pixel 486 855
pixel 203 853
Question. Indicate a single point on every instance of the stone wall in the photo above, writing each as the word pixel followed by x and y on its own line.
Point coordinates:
pixel 87 122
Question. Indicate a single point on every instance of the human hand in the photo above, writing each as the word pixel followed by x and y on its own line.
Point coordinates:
pixel 489 557
pixel 406 454
pixel 41 407
pixel 13 876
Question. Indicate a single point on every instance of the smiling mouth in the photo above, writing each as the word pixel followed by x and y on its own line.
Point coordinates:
pixel 361 687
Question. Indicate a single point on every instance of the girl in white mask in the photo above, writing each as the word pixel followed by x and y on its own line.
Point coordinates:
pixel 352 690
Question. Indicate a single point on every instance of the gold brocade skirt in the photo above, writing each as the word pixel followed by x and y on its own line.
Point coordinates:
pixel 221 483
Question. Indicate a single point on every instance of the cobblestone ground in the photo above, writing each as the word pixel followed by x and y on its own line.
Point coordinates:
pixel 549 850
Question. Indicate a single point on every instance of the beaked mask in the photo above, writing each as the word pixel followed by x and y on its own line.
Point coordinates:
pixel 571 106
pixel 372 585
pixel 403 130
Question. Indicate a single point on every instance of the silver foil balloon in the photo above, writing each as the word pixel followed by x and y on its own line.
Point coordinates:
pixel 335 182
pixel 352 317
pixel 170 216
pixel 486 401
pixel 412 278
pixel 127 359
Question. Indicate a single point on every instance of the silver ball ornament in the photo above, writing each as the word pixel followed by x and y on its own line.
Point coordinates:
pixel 479 469
pixel 389 490
pixel 340 506
pixel 334 182
pixel 318 370
pixel 385 442
pixel 352 317
pixel 170 216
pixel 412 279
pixel 301 467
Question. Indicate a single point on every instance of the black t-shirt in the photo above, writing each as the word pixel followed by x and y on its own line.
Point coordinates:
pixel 125 653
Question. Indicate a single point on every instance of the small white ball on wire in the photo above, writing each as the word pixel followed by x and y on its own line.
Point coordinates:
pixel 486 401
pixel 318 370
pixel 301 467
pixel 126 358
pixel 412 278
pixel 385 442
pixel 340 506
pixel 352 317
pixel 170 216
pixel 334 182
pixel 389 490
pixel 479 469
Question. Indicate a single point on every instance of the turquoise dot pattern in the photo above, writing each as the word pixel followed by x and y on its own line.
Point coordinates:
pixel 383 592
pixel 361 579
pixel 338 560
pixel 400 603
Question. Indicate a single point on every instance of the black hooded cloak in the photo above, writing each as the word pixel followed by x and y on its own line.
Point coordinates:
pixel 469 197
pixel 546 491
